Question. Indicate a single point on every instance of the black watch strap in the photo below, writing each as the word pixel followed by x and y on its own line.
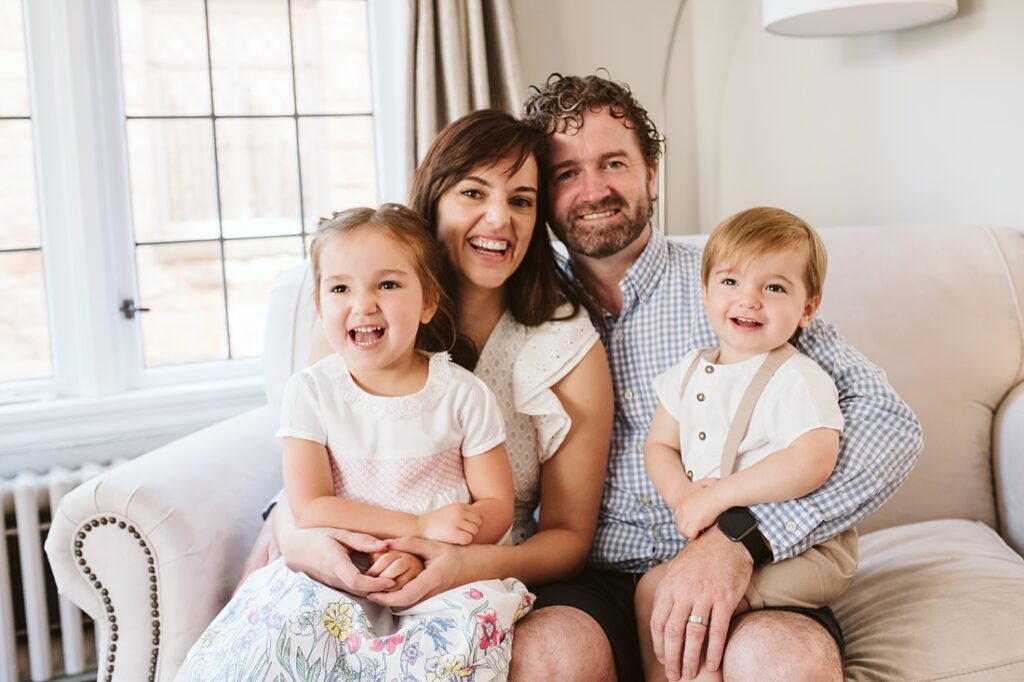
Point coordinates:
pixel 739 525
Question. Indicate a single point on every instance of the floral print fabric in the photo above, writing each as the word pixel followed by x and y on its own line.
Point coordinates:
pixel 283 626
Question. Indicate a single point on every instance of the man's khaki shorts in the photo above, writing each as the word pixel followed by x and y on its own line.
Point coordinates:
pixel 812 579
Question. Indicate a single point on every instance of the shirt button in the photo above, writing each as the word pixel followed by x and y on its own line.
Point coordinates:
pixel 700 397
pixel 655 562
pixel 790 526
pixel 645 501
pixel 618 336
pixel 709 369
pixel 689 474
pixel 639 447
pixel 655 533
pixel 643 298
pixel 627 394
pixel 702 435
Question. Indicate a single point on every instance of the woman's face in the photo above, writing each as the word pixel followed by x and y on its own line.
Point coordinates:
pixel 486 220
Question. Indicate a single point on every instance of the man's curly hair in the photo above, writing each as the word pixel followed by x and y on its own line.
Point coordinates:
pixel 558 107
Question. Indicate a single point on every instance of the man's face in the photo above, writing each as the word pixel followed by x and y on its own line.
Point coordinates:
pixel 600 186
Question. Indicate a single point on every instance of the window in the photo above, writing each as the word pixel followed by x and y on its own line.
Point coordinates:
pixel 163 162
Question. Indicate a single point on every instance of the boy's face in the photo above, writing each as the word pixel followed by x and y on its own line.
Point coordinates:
pixel 600 186
pixel 755 306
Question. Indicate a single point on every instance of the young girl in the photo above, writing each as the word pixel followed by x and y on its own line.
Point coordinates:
pixel 754 404
pixel 382 438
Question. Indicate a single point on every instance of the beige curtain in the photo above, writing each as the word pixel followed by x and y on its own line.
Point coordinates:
pixel 463 57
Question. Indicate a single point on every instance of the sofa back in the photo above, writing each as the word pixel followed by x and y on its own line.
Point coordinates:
pixel 938 307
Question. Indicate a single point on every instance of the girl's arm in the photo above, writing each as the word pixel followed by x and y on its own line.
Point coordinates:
pixel 310 490
pixel 786 474
pixel 489 478
pixel 572 481
pixel 663 460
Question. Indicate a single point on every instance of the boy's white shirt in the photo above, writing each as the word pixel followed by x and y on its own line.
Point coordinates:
pixel 799 397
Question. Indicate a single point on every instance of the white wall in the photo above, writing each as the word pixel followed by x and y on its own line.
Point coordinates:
pixel 918 126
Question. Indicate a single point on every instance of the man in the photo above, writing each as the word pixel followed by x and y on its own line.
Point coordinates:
pixel 601 174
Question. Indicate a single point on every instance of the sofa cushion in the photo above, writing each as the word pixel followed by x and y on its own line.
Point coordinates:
pixel 935 600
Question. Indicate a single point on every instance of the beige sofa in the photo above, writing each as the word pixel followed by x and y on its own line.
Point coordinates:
pixel 153 548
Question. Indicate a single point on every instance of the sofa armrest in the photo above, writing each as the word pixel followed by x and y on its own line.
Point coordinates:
pixel 152 549
pixel 1008 467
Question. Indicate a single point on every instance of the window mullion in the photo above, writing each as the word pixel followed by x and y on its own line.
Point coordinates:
pixel 83 187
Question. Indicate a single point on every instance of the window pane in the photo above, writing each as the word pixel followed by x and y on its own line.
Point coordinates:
pixel 252 266
pixel 19 226
pixel 259 183
pixel 181 285
pixel 13 78
pixel 24 333
pixel 174 186
pixel 332 58
pixel 250 52
pixel 164 58
pixel 338 169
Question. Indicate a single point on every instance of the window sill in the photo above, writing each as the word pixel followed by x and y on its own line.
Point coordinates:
pixel 69 432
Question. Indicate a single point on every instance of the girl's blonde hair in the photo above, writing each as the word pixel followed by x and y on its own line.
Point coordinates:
pixel 762 230
pixel 410 231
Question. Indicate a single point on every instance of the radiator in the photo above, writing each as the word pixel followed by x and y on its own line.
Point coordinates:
pixel 53 650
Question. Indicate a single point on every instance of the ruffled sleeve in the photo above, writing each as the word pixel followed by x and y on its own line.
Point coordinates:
pixel 550 352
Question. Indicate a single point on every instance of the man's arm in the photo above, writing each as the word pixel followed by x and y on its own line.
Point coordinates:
pixel 880 444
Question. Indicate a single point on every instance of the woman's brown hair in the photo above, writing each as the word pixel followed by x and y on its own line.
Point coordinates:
pixel 484 138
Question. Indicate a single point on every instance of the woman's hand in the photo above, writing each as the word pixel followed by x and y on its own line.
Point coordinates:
pixel 456 523
pixel 325 554
pixel 442 564
pixel 398 566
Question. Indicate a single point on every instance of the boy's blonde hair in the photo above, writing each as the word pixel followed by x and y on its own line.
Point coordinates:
pixel 762 230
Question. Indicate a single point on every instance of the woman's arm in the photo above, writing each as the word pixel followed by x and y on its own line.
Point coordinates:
pixel 489 478
pixel 572 481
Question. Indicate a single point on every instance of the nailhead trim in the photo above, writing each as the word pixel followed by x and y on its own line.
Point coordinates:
pixel 87 528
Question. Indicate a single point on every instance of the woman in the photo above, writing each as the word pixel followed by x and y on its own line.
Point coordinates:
pixel 524 331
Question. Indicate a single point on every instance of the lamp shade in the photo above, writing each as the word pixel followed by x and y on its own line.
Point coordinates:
pixel 850 17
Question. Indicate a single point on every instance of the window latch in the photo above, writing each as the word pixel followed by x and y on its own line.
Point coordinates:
pixel 128 309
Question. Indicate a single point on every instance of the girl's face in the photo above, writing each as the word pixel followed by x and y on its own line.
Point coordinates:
pixel 371 302
pixel 486 220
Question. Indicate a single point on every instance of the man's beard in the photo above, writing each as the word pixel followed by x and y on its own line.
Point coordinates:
pixel 610 236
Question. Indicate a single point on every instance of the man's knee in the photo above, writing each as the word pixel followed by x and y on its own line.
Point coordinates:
pixel 560 643
pixel 781 646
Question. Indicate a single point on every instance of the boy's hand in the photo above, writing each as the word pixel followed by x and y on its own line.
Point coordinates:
pixel 456 523
pixel 398 566
pixel 698 509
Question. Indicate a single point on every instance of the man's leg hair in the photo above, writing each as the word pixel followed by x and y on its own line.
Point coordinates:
pixel 560 643
pixel 780 646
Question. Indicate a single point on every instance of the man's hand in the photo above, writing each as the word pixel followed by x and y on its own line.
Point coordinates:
pixel 456 523
pixel 707 579
pixel 441 571
pixel 698 509
pixel 398 566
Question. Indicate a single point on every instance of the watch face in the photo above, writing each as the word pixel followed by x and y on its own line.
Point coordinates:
pixel 736 522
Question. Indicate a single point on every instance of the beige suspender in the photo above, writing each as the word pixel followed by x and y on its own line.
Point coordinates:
pixel 741 420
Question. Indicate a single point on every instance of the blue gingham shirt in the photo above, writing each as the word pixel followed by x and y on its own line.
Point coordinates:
pixel 661 320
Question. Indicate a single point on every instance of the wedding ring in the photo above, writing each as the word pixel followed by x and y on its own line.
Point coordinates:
pixel 699 620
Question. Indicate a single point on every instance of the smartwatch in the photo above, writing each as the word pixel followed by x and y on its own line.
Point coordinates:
pixel 739 525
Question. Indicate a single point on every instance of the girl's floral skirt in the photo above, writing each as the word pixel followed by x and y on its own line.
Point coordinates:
pixel 281 625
